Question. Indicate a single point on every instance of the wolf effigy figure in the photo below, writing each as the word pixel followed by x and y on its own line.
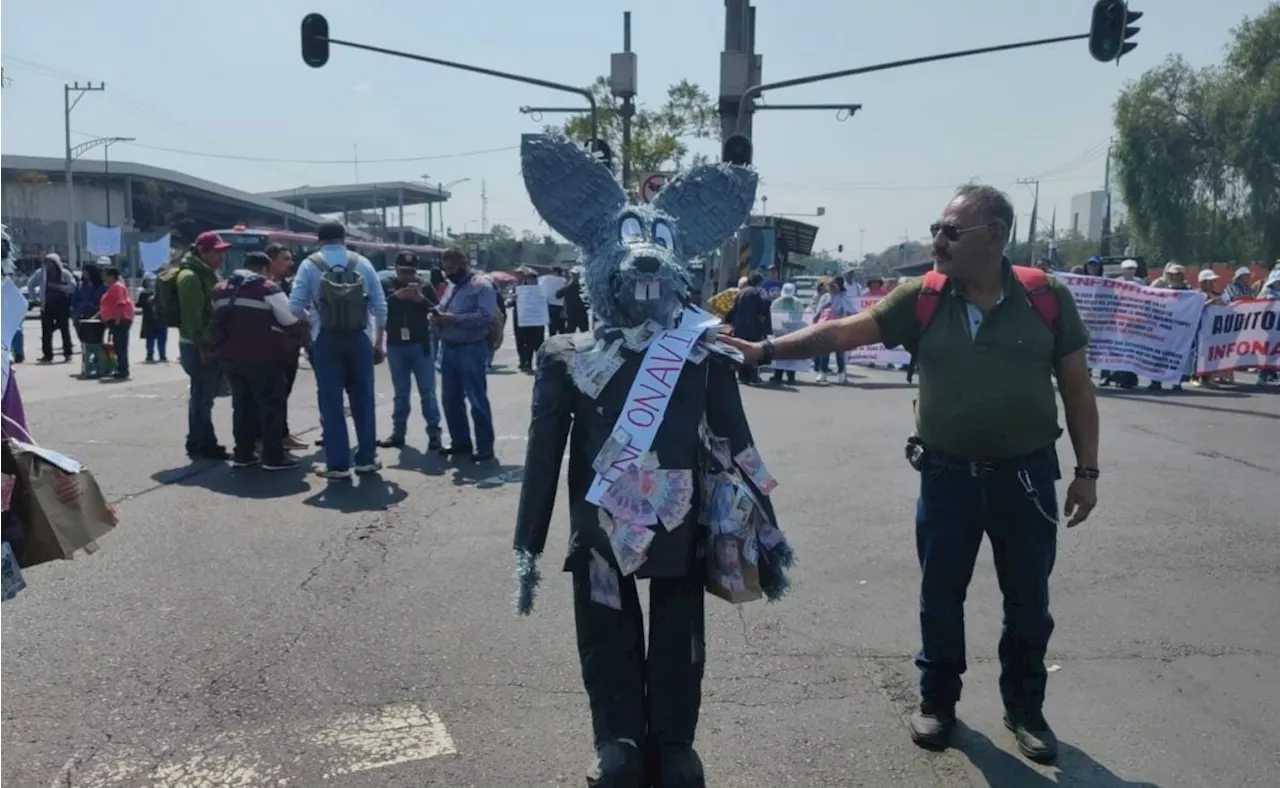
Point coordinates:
pixel 664 479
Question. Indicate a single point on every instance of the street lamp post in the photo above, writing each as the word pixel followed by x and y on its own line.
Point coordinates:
pixel 74 153
pixel 106 169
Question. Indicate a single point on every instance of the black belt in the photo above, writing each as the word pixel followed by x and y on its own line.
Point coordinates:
pixel 989 467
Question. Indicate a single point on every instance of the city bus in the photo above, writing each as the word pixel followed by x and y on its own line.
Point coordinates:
pixel 381 254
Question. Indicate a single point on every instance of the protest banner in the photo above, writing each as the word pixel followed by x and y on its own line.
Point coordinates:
pixel 785 322
pixel 1240 335
pixel 877 354
pixel 531 306
pixel 1135 328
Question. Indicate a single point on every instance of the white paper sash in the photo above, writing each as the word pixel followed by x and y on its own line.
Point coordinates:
pixel 651 393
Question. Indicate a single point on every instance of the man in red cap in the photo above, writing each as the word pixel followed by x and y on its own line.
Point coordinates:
pixel 198 273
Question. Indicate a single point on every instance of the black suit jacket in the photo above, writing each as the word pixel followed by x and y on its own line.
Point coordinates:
pixel 563 415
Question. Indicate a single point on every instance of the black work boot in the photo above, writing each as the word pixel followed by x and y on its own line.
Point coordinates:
pixel 1035 738
pixel 618 764
pixel 677 766
pixel 932 724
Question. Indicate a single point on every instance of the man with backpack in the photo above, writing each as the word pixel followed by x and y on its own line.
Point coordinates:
pixel 989 338
pixel 341 292
pixel 184 298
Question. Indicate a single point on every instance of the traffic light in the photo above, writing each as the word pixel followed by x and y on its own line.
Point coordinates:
pixel 737 150
pixel 1111 30
pixel 315 40
pixel 600 150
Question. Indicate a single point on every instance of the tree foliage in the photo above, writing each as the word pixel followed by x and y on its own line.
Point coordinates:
pixel 504 250
pixel 1198 152
pixel 659 137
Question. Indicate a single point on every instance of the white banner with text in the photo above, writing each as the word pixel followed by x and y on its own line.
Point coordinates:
pixel 1136 328
pixel 1240 335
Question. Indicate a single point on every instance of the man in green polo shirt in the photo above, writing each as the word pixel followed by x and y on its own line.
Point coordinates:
pixel 987 422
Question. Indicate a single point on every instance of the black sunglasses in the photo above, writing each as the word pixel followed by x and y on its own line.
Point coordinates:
pixel 953 233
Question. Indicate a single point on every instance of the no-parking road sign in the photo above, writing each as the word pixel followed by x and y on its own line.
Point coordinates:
pixel 651 184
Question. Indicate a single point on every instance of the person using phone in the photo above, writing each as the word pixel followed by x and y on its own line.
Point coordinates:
pixel 410 304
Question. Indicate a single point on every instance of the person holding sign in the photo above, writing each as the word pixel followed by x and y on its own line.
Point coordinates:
pixel 530 307
pixel 989 338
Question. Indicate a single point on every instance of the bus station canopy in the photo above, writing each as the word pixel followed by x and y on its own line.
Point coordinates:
pixel 359 196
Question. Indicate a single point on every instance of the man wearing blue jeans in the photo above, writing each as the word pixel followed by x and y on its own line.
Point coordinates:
pixel 990 339
pixel 462 320
pixel 409 305
pixel 340 290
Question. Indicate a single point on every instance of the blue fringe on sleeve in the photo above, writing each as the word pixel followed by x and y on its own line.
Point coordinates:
pixel 527 579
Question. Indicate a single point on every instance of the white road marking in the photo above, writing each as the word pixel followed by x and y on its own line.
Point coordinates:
pixel 396 734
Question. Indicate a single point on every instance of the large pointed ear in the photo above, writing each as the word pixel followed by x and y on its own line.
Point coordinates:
pixel 572 190
pixel 709 203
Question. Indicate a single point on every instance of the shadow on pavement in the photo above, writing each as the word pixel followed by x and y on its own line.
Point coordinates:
pixel 411 459
pixel 253 483
pixel 367 493
pixel 1178 399
pixel 486 476
pixel 1074 768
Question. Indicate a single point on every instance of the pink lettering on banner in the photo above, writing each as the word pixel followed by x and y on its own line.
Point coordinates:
pixel 625 458
pixel 660 374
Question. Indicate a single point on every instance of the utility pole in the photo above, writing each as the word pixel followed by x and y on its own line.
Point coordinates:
pixel 484 208
pixel 67 105
pixel 1035 208
pixel 1104 242
pixel 622 83
pixel 740 69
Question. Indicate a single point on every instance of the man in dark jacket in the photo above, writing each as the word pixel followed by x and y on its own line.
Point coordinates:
pixel 575 310
pixel 751 321
pixel 528 338
pixel 255 333
pixel 409 304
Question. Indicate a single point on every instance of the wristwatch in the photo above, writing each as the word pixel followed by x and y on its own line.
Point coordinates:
pixel 1088 474
pixel 766 352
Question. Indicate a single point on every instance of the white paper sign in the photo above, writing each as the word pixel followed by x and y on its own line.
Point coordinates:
pixel 154 254
pixel 1136 328
pixel 876 354
pixel 531 306
pixel 651 393
pixel 13 310
pixel 785 322
pixel 550 284
pixel 1240 335
pixel 101 240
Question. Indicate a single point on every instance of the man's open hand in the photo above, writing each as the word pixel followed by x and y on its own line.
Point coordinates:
pixel 1082 496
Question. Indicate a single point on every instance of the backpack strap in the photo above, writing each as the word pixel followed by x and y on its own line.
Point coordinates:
pixel 1036 283
pixel 928 299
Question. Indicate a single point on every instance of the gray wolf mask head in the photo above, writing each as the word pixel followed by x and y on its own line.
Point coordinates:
pixel 634 256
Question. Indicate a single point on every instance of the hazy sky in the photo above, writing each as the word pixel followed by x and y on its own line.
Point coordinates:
pixel 226 79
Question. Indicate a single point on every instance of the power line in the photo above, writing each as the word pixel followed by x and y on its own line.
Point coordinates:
pixel 344 162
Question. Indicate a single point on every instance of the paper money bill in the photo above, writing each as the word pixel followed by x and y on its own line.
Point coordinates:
pixel 671 496
pixel 720 451
pixel 749 461
pixel 605 588
pixel 630 545
pixel 625 499
pixel 610 451
pixel 593 370
pixel 641 336
pixel 698 354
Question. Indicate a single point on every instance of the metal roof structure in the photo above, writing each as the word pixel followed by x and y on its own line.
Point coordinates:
pixel 53 167
pixel 359 196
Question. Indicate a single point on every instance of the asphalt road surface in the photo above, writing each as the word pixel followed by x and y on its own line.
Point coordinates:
pixel 245 629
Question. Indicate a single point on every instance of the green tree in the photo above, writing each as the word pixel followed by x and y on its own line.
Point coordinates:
pixel 1198 152
pixel 659 137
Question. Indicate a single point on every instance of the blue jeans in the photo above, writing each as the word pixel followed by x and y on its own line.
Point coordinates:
pixel 410 363
pixel 344 362
pixel 1016 506
pixel 159 342
pixel 120 339
pixel 203 378
pixel 463 380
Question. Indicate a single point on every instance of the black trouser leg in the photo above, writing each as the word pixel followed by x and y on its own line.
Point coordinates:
pixel 290 376
pixel 244 412
pixel 556 320
pixel 269 383
pixel 63 323
pixel 47 323
pixel 611 650
pixel 677 657
pixel 528 340
pixel 120 339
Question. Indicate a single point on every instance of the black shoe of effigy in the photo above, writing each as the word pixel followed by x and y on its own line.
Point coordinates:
pixel 618 764
pixel 677 766
pixel 1036 740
